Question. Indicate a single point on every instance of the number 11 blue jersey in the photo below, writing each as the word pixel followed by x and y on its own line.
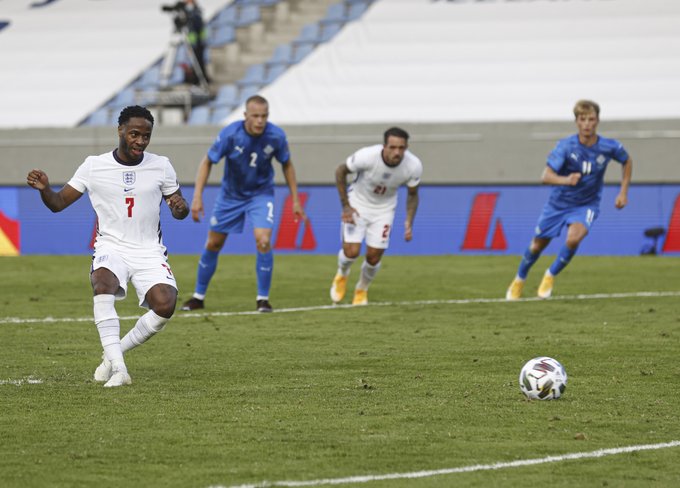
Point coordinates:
pixel 570 156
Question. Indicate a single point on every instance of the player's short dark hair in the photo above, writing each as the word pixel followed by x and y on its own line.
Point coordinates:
pixel 395 132
pixel 134 111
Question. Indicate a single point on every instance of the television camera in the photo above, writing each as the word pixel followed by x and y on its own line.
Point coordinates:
pixel 180 17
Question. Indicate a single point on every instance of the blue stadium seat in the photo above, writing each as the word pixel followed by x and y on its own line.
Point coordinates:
pixel 123 98
pixel 221 35
pixel 336 12
pixel 283 54
pixel 309 33
pixel 357 9
pixel 226 16
pixel 247 92
pixel 236 15
pixel 177 76
pixel 115 113
pixel 149 79
pixel 101 116
pixel 306 41
pixel 200 115
pixel 329 29
pixel 219 114
pixel 301 51
pixel 248 14
pixel 273 72
pixel 261 3
pixel 254 76
pixel 227 96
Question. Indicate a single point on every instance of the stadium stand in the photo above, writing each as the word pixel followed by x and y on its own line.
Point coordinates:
pixel 64 59
pixel 227 96
pixel 406 60
pixel 235 32
pixel 241 34
pixel 260 74
pixel 200 115
pixel 477 61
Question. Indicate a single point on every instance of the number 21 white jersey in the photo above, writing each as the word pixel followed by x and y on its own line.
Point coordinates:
pixel 376 184
pixel 127 199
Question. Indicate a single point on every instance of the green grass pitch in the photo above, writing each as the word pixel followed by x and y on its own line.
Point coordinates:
pixel 424 378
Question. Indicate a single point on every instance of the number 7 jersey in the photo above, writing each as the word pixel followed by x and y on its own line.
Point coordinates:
pixel 376 183
pixel 127 199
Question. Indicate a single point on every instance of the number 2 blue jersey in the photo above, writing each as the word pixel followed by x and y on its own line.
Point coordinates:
pixel 570 156
pixel 248 169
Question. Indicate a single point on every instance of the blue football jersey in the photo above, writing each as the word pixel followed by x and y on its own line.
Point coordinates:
pixel 248 169
pixel 570 156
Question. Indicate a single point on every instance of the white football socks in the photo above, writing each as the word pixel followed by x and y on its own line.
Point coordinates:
pixel 146 327
pixel 344 263
pixel 108 326
pixel 368 273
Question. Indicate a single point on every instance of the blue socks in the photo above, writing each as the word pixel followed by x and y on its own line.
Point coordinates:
pixel 206 269
pixel 562 260
pixel 527 262
pixel 264 267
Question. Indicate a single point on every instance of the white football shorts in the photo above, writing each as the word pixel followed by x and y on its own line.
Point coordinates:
pixel 373 226
pixel 144 271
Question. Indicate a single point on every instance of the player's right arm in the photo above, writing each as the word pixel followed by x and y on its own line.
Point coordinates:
pixel 197 210
pixel 550 177
pixel 55 201
pixel 348 212
pixel 557 159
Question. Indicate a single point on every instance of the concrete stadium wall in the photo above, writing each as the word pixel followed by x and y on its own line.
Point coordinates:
pixel 490 153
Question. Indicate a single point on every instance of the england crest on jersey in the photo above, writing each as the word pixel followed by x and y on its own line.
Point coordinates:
pixel 129 178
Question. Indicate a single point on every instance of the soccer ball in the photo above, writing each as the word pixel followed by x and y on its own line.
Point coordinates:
pixel 543 378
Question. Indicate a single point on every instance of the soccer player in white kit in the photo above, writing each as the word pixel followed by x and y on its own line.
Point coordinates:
pixel 125 186
pixel 369 204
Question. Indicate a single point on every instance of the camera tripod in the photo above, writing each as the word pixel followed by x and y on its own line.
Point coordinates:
pixel 180 38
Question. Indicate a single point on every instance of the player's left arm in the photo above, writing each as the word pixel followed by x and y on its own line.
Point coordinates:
pixel 291 181
pixel 412 200
pixel 626 175
pixel 177 204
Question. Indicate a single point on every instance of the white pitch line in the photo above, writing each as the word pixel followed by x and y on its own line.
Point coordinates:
pixel 464 469
pixel 23 381
pixel 459 301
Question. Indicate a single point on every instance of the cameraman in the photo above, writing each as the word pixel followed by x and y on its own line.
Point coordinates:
pixel 188 14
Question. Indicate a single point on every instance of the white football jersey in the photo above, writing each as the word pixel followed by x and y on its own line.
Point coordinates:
pixel 376 184
pixel 127 199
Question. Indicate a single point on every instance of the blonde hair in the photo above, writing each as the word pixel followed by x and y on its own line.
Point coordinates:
pixel 586 106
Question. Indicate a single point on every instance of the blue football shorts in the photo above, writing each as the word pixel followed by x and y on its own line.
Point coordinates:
pixel 553 220
pixel 229 215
